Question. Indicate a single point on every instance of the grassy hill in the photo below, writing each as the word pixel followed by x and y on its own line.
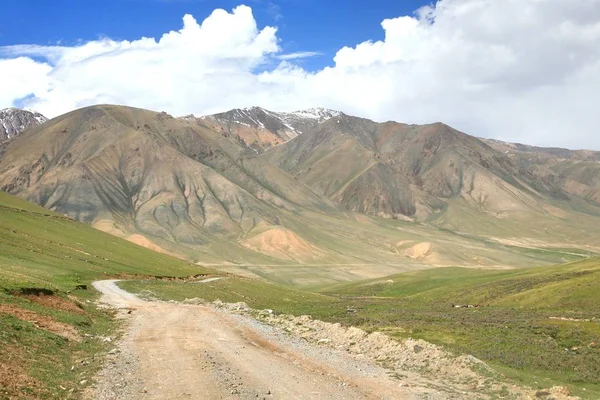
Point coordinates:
pixel 534 324
pixel 571 286
pixel 47 325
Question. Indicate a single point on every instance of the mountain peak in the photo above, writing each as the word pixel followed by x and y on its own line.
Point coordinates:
pixel 15 120
pixel 262 129
pixel 319 113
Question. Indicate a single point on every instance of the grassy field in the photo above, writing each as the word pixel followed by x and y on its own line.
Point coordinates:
pixel 50 333
pixel 538 326
pixel 535 324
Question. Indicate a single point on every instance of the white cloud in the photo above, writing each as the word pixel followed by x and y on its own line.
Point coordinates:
pixel 520 70
pixel 20 77
pixel 181 72
pixel 298 55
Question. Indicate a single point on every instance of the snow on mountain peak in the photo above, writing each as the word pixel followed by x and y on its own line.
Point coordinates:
pixel 282 124
pixel 319 113
pixel 15 120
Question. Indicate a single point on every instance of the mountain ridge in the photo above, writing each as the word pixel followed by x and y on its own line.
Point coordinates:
pixel 412 153
pixel 261 129
pixel 380 197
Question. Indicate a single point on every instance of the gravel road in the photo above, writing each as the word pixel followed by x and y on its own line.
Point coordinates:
pixel 181 351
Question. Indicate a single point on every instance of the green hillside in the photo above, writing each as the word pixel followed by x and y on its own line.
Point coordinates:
pixel 573 286
pixel 46 325
pixel 535 324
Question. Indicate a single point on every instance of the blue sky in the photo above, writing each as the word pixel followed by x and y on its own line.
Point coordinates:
pixel 303 25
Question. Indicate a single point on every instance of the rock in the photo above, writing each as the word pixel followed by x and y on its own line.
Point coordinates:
pixel 194 301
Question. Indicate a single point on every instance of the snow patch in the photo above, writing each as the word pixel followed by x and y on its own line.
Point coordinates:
pixel 14 121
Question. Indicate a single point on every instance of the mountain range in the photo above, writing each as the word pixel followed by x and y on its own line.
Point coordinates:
pixel 313 195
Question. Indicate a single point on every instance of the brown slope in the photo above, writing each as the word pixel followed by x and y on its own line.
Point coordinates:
pixel 257 128
pixel 441 177
pixel 576 172
pixel 179 186
pixel 397 169
pixel 134 171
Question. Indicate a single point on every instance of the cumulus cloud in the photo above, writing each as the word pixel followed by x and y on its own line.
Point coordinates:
pixel 183 71
pixel 518 70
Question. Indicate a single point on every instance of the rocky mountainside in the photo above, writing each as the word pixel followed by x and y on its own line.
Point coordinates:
pixel 262 129
pixel 132 171
pixel 576 172
pixel 555 153
pixel 398 170
pixel 336 190
pixel 14 121
pixel 438 175
pixel 398 186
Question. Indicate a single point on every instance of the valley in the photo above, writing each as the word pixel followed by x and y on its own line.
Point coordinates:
pixel 403 232
pixel 282 199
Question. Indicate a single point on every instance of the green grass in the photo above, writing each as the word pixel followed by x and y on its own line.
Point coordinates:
pixel 566 287
pixel 41 249
pixel 258 294
pixel 54 367
pixel 512 329
pixel 46 249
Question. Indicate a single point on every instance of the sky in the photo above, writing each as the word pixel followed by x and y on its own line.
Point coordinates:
pixel 526 71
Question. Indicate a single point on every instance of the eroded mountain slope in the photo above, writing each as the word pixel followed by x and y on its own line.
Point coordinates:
pixel 128 170
pixel 436 174
pixel 182 187
pixel 262 129
pixel 576 172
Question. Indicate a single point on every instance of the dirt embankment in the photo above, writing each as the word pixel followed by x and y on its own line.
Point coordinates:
pixel 417 361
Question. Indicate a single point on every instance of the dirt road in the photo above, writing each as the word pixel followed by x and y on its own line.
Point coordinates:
pixel 178 351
